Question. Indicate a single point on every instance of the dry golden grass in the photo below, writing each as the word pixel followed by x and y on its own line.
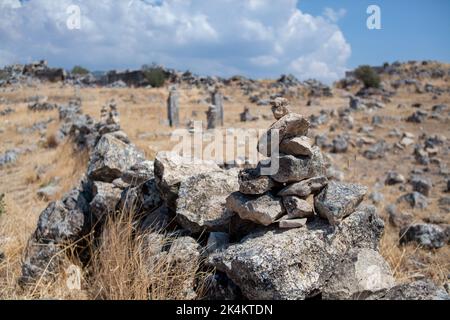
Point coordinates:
pixel 128 265
pixel 143 114
pixel 412 262
pixel 22 210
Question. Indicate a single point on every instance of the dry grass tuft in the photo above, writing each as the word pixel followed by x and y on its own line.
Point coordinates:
pixel 128 265
pixel 411 262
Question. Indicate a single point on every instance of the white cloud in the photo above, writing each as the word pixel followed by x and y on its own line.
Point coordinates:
pixel 334 15
pixel 257 38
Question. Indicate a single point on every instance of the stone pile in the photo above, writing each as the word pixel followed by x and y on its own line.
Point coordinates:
pixel 299 189
pixel 307 236
pixel 288 235
pixel 66 221
pixel 83 130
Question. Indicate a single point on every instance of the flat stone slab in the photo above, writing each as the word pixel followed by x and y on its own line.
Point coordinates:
pixel 338 200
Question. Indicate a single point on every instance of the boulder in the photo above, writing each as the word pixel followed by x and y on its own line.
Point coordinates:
pixel 360 273
pixel 64 220
pixel 106 196
pixel 201 203
pixel 296 263
pixel 414 199
pixel 295 169
pixel 184 255
pixel 287 265
pixel 376 151
pixel 394 177
pixel 417 117
pixel 444 203
pixel 422 185
pixel 297 146
pixel 298 208
pixel 417 290
pixel 338 200
pixel 252 183
pixel 110 158
pixel 143 198
pixel 362 229
pixel 292 223
pixel 171 170
pixel 40 259
pixel 139 173
pixel 184 249
pixel 263 210
pixel 429 236
pixel 340 145
pixel 304 188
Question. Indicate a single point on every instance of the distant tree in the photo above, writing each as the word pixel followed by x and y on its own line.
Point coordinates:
pixel 385 65
pixel 368 76
pixel 79 70
pixel 155 75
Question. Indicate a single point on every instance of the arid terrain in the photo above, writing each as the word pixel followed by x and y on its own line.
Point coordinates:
pixel 42 160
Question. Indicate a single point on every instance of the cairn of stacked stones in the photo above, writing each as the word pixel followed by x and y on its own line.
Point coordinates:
pixel 299 190
pixel 66 221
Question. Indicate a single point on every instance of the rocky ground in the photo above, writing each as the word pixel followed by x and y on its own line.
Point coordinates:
pixel 267 237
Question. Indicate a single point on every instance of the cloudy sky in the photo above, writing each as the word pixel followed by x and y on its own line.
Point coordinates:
pixel 258 38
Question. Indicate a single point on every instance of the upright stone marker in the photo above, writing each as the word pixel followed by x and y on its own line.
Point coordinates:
pixel 212 116
pixel 173 108
pixel 217 100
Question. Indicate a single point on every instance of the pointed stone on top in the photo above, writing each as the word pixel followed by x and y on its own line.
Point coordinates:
pixel 289 126
pixel 280 107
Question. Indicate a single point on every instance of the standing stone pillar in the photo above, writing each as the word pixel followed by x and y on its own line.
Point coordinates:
pixel 217 100
pixel 173 108
pixel 212 116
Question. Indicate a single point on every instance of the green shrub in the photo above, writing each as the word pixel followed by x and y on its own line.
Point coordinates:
pixel 368 76
pixel 156 76
pixel 79 70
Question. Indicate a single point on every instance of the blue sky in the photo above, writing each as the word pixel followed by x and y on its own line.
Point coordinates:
pixel 411 29
pixel 258 38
